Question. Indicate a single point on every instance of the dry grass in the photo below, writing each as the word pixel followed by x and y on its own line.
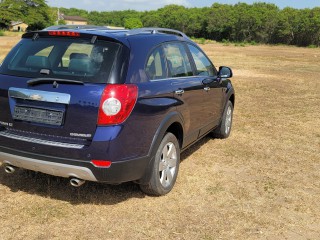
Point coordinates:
pixel 6 43
pixel 261 183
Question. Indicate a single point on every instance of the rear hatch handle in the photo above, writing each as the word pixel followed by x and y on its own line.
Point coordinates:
pixel 54 81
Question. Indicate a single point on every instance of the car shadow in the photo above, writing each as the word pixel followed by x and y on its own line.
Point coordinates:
pixel 90 193
pixel 59 188
pixel 190 150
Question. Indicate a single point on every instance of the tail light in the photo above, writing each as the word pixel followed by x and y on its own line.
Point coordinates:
pixel 116 103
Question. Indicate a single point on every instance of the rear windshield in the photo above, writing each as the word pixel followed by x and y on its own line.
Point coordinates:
pixel 66 58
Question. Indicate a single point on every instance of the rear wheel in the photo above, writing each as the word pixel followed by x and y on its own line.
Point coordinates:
pixel 165 168
pixel 224 129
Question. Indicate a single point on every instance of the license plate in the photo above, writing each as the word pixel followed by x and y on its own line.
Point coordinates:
pixel 38 115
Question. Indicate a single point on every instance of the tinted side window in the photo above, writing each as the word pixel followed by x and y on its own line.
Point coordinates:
pixel 203 65
pixel 155 67
pixel 177 59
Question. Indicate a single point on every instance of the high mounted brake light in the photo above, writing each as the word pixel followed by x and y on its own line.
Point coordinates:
pixel 64 33
pixel 116 103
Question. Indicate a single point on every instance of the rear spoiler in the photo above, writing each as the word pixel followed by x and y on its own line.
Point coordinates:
pixel 84 33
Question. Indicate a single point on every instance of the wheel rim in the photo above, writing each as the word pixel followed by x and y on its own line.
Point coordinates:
pixel 168 164
pixel 228 120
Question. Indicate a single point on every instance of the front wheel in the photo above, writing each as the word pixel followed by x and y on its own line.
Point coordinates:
pixel 165 168
pixel 224 129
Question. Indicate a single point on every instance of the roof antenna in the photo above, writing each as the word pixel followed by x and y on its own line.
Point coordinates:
pixel 93 39
pixel 35 37
pixel 55 84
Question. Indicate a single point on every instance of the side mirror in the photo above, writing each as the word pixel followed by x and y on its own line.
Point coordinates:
pixel 225 72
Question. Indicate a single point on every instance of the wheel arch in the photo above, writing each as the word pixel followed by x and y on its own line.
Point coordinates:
pixel 232 99
pixel 171 123
pixel 230 94
pixel 177 130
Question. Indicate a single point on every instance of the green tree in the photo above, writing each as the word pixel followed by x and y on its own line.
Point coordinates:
pixel 197 22
pixel 151 19
pixel 286 29
pixel 32 12
pixel 115 18
pixel 10 10
pixel 131 23
pixel 266 19
pixel 315 26
pixel 74 12
pixel 221 22
pixel 174 16
pixel 36 13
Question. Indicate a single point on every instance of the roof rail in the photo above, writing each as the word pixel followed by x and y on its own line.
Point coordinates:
pixel 156 30
pixel 77 27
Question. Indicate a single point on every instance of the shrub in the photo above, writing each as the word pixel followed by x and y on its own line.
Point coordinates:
pixel 202 41
pixel 225 42
pixel 240 44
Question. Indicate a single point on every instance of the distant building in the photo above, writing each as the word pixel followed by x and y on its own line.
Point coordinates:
pixel 18 26
pixel 73 20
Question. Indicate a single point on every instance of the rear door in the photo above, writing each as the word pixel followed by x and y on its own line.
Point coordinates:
pixel 50 88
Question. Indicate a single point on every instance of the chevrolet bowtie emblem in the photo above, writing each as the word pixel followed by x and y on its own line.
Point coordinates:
pixel 35 97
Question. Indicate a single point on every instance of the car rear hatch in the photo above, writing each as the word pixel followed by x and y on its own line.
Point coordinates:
pixel 51 85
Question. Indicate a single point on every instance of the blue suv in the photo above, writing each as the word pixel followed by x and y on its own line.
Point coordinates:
pixel 110 106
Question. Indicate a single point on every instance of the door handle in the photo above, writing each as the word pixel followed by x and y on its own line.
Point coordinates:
pixel 206 89
pixel 179 92
pixel 207 81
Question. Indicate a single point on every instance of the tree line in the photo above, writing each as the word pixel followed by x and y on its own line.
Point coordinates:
pixel 257 22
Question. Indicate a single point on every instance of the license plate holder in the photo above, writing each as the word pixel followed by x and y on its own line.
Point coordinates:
pixel 38 115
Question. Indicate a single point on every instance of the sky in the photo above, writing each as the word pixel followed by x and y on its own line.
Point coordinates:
pixel 141 5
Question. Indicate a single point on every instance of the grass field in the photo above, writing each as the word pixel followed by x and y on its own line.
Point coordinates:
pixel 261 183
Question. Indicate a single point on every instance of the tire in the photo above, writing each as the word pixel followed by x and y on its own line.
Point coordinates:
pixel 165 168
pixel 224 128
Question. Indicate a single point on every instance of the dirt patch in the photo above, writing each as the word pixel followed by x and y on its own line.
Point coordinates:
pixel 261 183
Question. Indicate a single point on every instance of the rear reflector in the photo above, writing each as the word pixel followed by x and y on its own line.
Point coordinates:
pixel 117 102
pixel 101 163
pixel 64 33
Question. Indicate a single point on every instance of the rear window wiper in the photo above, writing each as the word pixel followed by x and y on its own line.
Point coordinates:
pixel 54 81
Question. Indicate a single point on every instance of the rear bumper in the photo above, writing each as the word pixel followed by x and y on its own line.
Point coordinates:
pixel 118 172
pixel 52 168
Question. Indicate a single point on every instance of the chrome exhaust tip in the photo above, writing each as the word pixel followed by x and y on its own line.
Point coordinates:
pixel 9 169
pixel 76 182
